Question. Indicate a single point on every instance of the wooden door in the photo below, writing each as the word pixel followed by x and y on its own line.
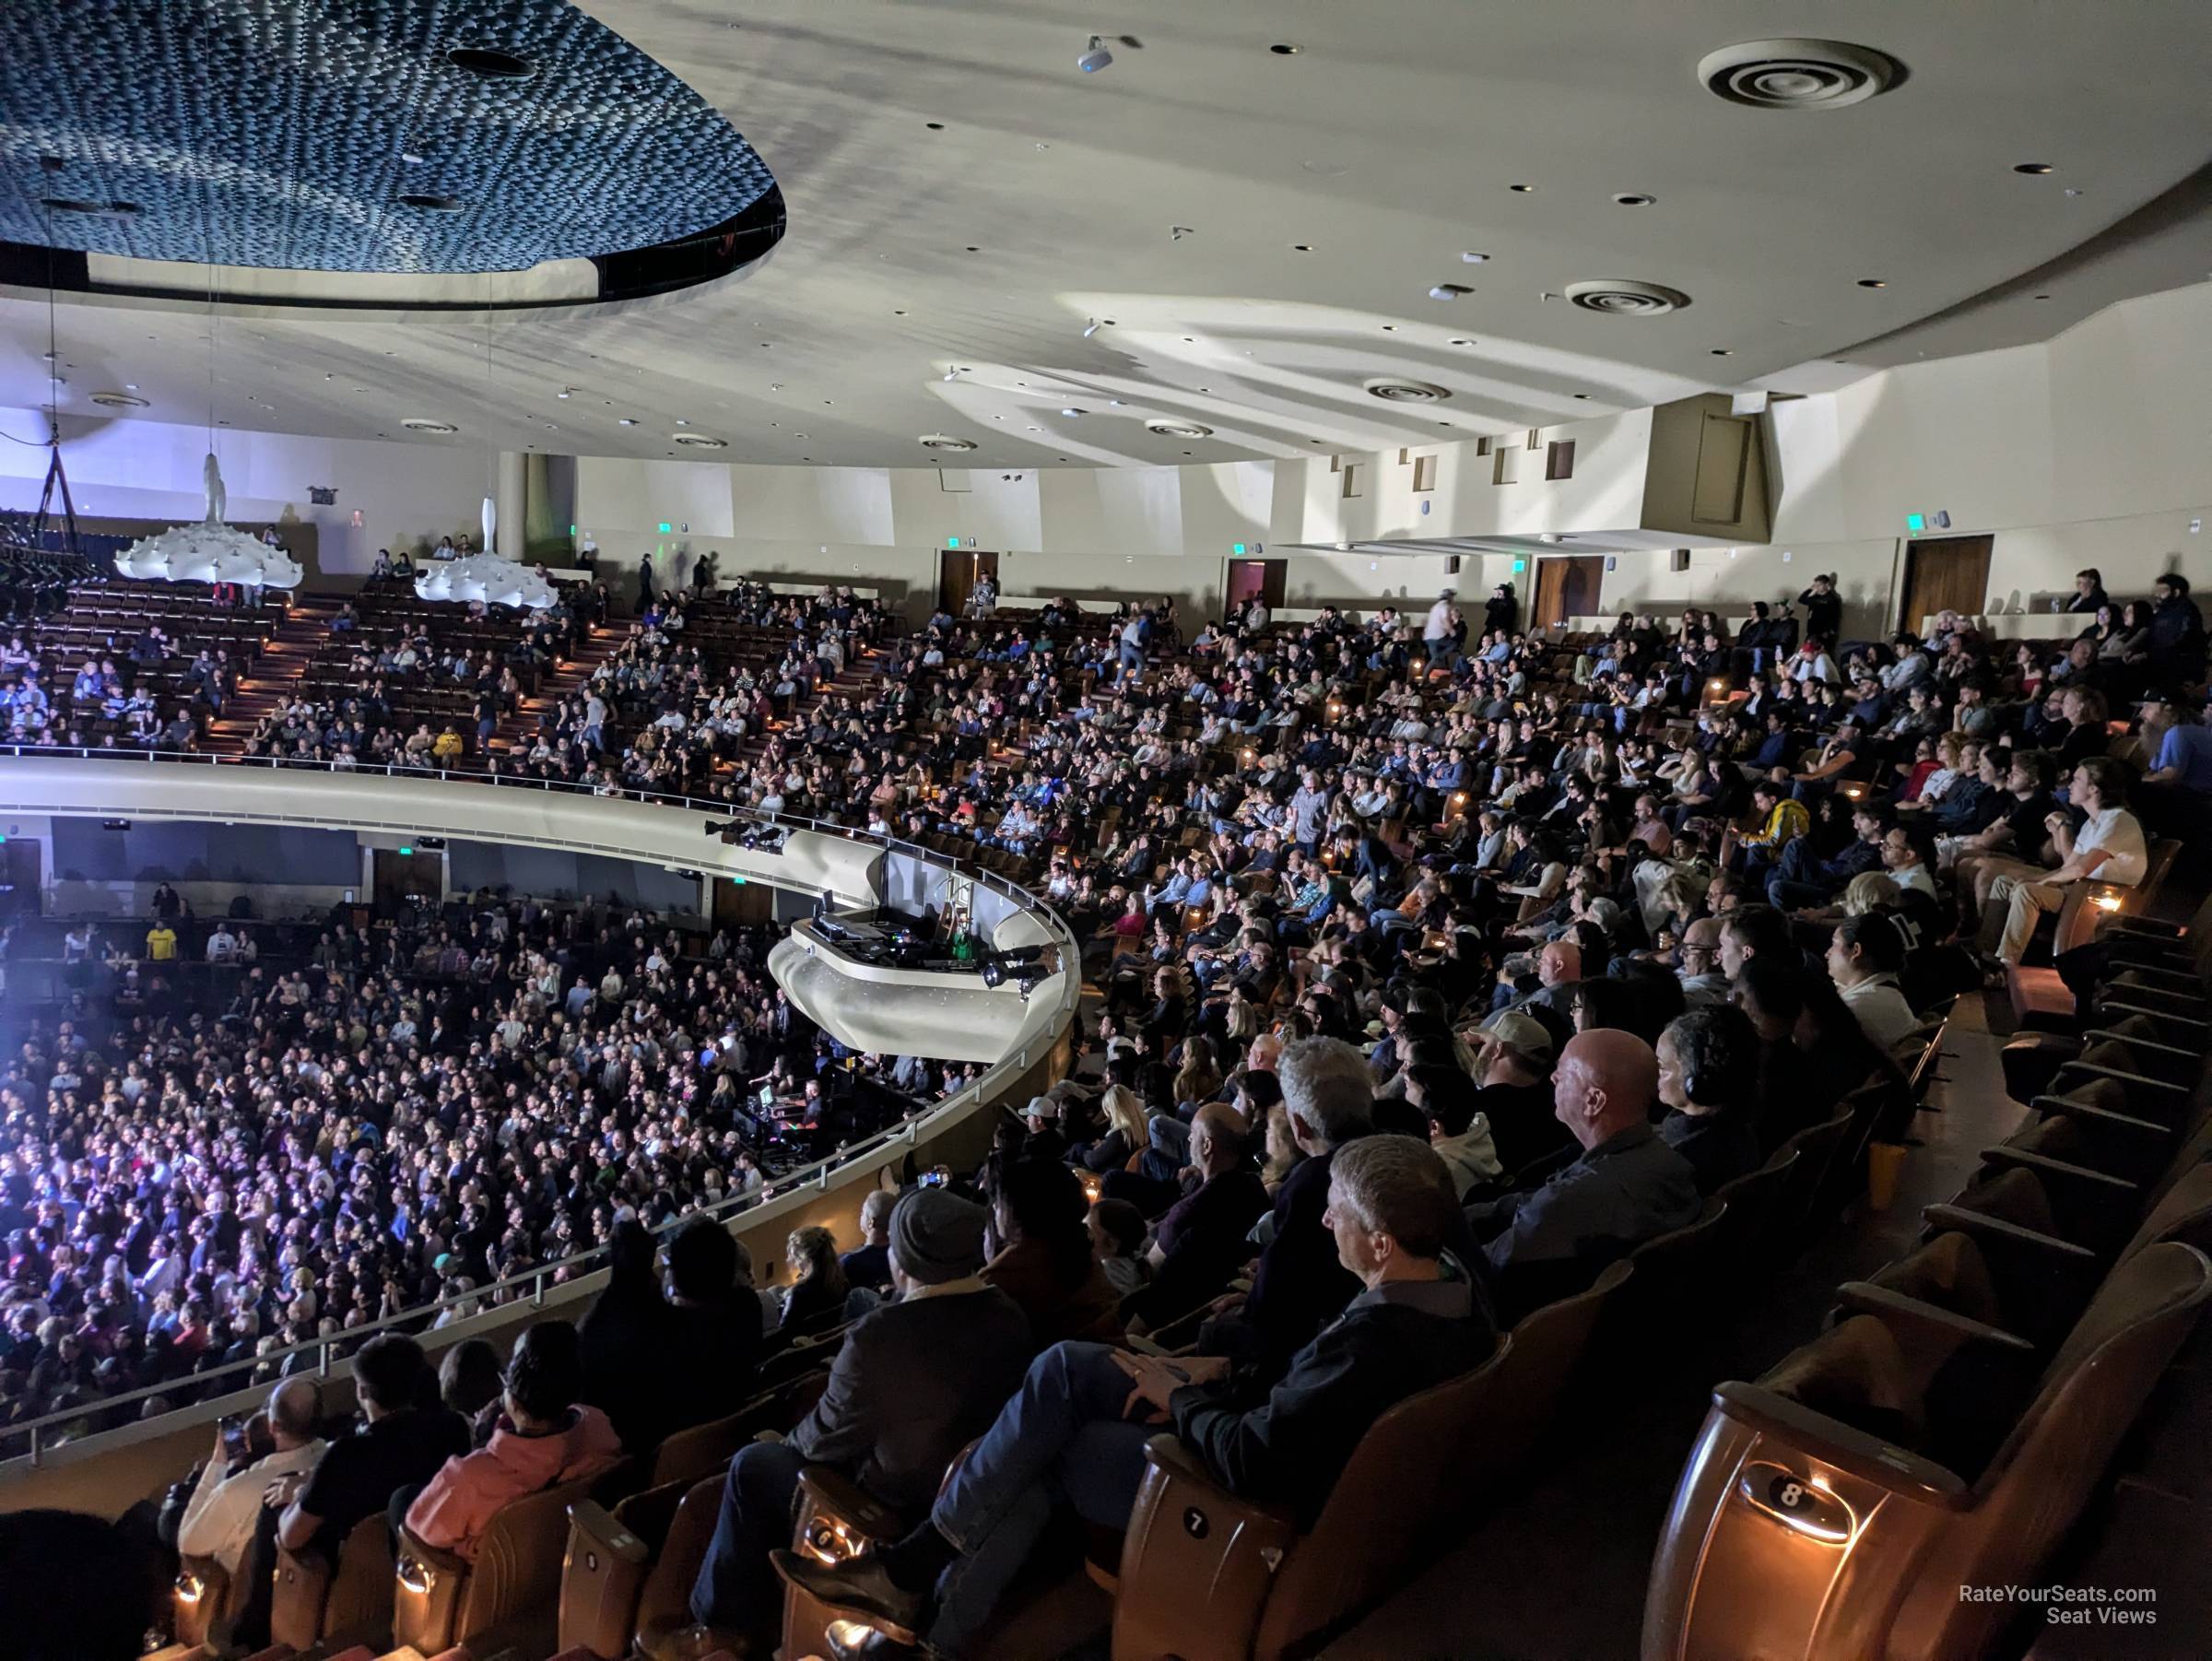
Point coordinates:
pixel 957 572
pixel 741 904
pixel 1949 573
pixel 1255 579
pixel 21 867
pixel 1567 587
pixel 398 876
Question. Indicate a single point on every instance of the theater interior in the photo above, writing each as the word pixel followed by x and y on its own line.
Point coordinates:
pixel 1186 833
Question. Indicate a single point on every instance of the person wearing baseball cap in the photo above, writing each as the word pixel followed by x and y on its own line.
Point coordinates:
pixel 1514 1068
pixel 916 1380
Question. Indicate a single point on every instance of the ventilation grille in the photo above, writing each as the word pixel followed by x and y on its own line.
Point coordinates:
pixel 1179 430
pixel 1406 392
pixel 1798 75
pixel 420 424
pixel 945 440
pixel 1625 297
pixel 700 441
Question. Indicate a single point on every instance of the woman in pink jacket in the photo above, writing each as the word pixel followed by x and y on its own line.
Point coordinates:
pixel 540 1440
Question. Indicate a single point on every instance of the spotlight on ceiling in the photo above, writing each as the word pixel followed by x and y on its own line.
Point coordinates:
pixel 1091 328
pixel 1449 290
pixel 953 373
pixel 1096 58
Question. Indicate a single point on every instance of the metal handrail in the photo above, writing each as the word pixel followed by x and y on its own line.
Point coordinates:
pixel 540 1277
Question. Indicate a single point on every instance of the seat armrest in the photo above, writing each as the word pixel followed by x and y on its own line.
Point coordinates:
pixel 427 1586
pixel 594 1522
pixel 1831 1441
pixel 1904 1313
pixel 1197 1563
pixel 2098 1184
pixel 1940 1218
pixel 857 1512
pixel 2153 928
pixel 2100 1115
pixel 2141 1043
pixel 2107 1005
pixel 2136 966
pixel 2134 1080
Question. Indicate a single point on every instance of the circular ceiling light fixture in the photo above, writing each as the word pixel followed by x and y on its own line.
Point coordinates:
pixel 1625 297
pixel 1633 198
pixel 1286 48
pixel 2037 168
pixel 1169 428
pixel 945 440
pixel 98 210
pixel 1872 282
pixel 488 63
pixel 423 424
pixel 700 441
pixel 118 400
pixel 1406 392
pixel 431 204
pixel 1798 74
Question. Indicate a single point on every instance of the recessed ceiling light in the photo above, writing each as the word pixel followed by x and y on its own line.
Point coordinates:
pixel 566 392
pixel 934 126
pixel 130 386
pixel 898 313
pixel 629 421
pixel 1472 258
pixel 1461 340
pixel 2043 297
pixel 1301 248
pixel 974 249
pixel 1521 189
pixel 410 157
pixel 1449 290
pixel 1798 75
pixel 2034 167
pixel 1071 413
pixel 1286 48
pixel 1390 328
pixel 1583 397
pixel 490 64
pixel 1633 199
pixel 1872 282
pixel 1723 351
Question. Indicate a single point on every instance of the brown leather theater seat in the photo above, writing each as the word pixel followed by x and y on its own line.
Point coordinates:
pixel 511 1593
pixel 315 1601
pixel 1833 1509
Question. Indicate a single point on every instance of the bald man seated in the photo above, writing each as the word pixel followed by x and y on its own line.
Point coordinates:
pixel 1628 1185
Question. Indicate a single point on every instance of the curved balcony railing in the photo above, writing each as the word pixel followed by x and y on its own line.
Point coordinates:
pixel 531 1287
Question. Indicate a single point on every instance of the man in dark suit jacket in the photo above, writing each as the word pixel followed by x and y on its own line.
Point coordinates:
pixel 916 1381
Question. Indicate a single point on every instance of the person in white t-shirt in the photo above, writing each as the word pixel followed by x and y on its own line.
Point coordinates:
pixel 2108 847
pixel 1439 637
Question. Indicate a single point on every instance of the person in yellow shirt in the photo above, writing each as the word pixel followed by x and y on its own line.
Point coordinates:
pixel 1783 818
pixel 161 943
pixel 446 747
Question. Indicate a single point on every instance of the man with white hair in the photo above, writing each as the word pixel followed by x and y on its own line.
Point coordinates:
pixel 226 1503
pixel 1067 1439
pixel 1329 1095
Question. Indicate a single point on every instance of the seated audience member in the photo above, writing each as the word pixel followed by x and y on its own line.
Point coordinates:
pixel 1515 1101
pixel 2174 797
pixel 1708 1077
pixel 1460 1134
pixel 1628 1185
pixel 1044 1261
pixel 1117 1235
pixel 1702 982
pixel 817 1296
pixel 1864 956
pixel 629 1320
pixel 915 1382
pixel 2108 846
pixel 869 1265
pixel 717 1321
pixel 544 1437
pixel 1203 1239
pixel 1300 1285
pixel 469 1378
pixel 76 1587
pixel 225 1507
pixel 1068 1439
pixel 405 1435
pixel 1803 879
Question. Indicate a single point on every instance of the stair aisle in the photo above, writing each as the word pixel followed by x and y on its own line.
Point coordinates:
pixel 273 677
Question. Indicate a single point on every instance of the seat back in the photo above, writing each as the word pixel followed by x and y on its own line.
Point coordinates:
pixel 1750 1203
pixel 2035 1488
pixel 664 1602
pixel 1667 1267
pixel 204 1600
pixel 314 1599
pixel 1396 1502
pixel 1548 1345
pixel 1816 1146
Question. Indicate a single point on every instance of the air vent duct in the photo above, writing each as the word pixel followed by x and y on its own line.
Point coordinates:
pixel 420 424
pixel 1798 75
pixel 1406 392
pixel 1179 430
pixel 700 441
pixel 941 440
pixel 1625 297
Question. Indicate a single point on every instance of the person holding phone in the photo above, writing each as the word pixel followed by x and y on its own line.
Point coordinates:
pixel 226 1502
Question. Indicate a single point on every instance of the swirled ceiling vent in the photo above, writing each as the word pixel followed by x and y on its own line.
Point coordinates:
pixel 390 137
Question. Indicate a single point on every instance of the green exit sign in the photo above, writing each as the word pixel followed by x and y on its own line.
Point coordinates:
pixel 1915 523
pixel 1237 549
pixel 1520 565
pixel 665 527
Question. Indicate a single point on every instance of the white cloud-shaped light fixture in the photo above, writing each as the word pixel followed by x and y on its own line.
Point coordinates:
pixel 485 577
pixel 209 551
